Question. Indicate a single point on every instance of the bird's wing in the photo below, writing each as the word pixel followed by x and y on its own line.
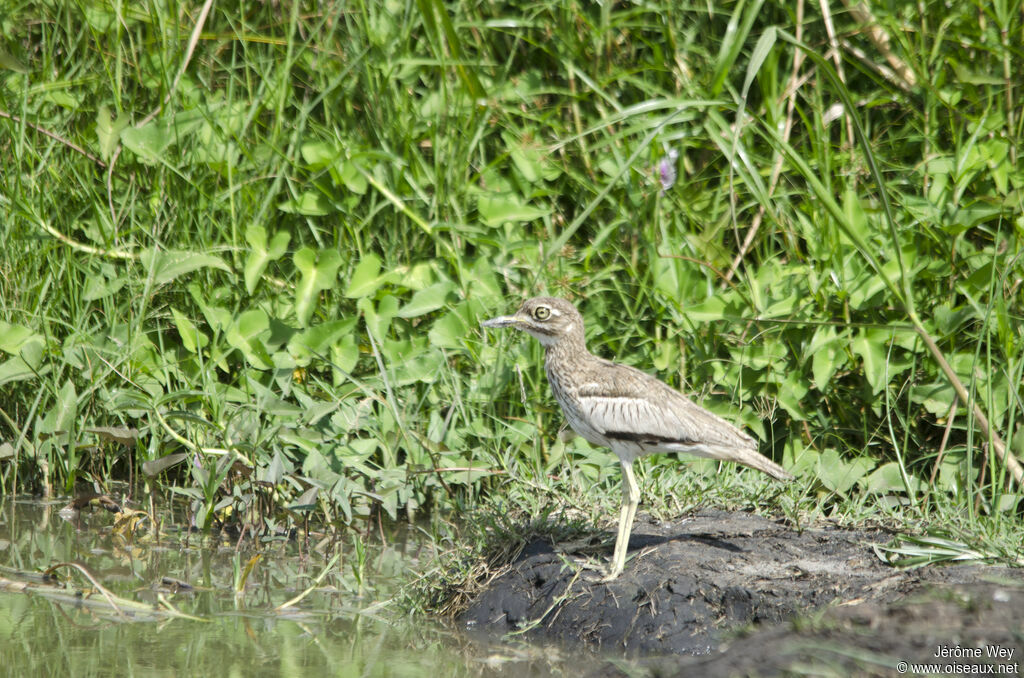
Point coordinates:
pixel 628 404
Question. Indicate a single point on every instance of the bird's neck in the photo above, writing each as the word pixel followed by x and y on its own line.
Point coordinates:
pixel 568 349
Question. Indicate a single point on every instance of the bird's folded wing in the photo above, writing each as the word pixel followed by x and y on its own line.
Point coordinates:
pixel 631 405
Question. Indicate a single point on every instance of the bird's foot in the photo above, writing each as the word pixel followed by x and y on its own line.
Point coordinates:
pixel 582 563
pixel 612 575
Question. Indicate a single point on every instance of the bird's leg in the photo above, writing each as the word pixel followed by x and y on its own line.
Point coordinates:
pixel 630 500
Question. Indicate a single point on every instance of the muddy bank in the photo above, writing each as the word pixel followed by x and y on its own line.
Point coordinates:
pixel 939 629
pixel 690 587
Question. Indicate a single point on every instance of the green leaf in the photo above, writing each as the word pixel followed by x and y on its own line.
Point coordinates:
pixel 349 176
pixel 261 253
pixel 936 397
pixel 500 208
pixel 151 141
pixel 424 367
pixel 530 159
pixel 191 338
pixel 713 308
pixel 790 393
pixel 308 204
pixel 108 130
pixel 11 62
pixel 61 417
pixel 827 356
pixel 247 333
pixel 344 355
pixel 319 272
pixel 366 278
pixel 871 346
pixel 838 475
pixel 480 279
pixel 378 318
pixel 427 300
pixel 449 331
pixel 318 338
pixel 167 265
pixel 887 479
pixel 148 142
pixel 13 337
pixel 26 347
pixel 100 287
pixel 318 154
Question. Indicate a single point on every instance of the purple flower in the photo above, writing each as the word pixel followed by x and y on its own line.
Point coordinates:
pixel 667 170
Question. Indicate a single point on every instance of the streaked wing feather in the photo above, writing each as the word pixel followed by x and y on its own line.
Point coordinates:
pixel 633 405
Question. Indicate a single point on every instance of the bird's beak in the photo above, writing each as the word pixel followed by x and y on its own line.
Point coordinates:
pixel 502 321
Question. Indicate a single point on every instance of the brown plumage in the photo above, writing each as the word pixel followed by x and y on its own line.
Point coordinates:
pixel 622 408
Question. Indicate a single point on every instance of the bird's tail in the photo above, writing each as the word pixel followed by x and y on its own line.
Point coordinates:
pixel 755 460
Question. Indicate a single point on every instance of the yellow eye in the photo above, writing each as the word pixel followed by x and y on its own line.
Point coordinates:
pixel 541 313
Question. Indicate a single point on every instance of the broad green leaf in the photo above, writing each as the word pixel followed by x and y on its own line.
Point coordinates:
pixel 768 353
pixel 12 63
pixel 115 434
pixel 366 278
pixel 13 337
pixel 449 331
pixel 318 338
pixel 936 397
pixel 157 466
pixel 26 347
pixel 887 479
pixel 108 130
pixel 530 159
pixel 344 356
pixel 500 208
pixel 261 253
pixel 100 287
pixel 318 154
pixel 839 475
pixel 247 334
pixel 666 278
pixel 427 300
pixel 61 417
pixel 871 346
pixel 826 355
pixel 167 265
pixel 309 204
pixel 790 393
pixel 151 141
pixel 148 142
pixel 713 308
pixel 26 366
pixel 274 472
pixel 319 272
pixel 424 367
pixel 191 337
pixel 378 318
pixel 350 177
pixel 480 279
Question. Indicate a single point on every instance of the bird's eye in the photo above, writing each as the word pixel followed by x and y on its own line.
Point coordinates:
pixel 541 313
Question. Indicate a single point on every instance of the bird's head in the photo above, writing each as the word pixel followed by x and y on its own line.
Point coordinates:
pixel 549 319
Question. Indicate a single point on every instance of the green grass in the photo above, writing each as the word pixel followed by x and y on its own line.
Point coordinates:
pixel 244 254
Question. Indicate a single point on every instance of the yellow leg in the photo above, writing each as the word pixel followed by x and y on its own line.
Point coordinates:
pixel 630 500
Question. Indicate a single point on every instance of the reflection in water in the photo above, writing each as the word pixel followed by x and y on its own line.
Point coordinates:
pixel 172 608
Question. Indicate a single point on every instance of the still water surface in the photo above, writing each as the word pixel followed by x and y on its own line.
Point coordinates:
pixel 349 625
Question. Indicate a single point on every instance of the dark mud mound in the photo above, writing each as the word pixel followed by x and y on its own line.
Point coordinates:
pixel 941 629
pixel 690 586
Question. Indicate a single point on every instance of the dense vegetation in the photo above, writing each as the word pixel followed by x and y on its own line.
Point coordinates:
pixel 245 251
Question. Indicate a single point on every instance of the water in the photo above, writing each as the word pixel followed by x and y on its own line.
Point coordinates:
pixel 349 625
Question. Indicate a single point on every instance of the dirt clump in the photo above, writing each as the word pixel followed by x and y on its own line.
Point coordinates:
pixel 730 589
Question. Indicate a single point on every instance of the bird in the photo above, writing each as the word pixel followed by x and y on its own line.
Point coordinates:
pixel 625 409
